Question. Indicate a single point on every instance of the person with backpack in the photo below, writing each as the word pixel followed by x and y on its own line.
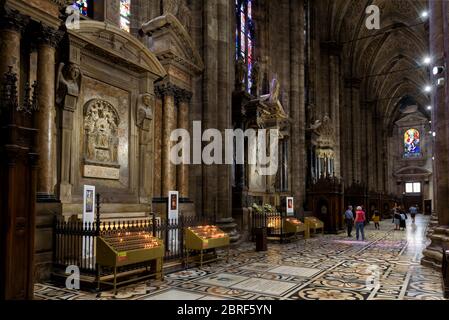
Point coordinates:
pixel 403 221
pixel 413 211
pixel 349 220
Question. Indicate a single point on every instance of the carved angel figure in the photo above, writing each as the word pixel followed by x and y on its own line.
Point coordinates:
pixel 68 83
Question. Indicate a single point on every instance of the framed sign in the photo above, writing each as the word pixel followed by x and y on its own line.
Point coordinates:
pixel 173 204
pixel 290 206
pixel 88 217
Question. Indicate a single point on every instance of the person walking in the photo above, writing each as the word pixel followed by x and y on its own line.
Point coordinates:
pixel 376 219
pixel 349 219
pixel 396 218
pixel 402 223
pixel 360 223
pixel 413 211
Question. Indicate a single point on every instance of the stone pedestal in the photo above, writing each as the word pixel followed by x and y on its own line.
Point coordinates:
pixel 433 254
pixel 229 226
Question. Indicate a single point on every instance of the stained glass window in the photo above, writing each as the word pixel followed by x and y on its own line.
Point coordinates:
pixel 412 146
pixel 244 36
pixel 125 14
pixel 82 6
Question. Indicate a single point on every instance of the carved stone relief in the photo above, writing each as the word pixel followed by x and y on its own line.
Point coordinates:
pixel 101 122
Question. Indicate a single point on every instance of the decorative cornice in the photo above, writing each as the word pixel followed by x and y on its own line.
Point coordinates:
pixel 13 20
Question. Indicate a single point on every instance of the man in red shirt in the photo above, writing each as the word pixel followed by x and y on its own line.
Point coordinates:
pixel 360 223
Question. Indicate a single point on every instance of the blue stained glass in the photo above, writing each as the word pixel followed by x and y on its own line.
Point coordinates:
pixel 412 146
pixel 244 36
pixel 82 6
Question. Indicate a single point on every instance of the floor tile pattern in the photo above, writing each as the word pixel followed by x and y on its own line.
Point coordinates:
pixel 386 266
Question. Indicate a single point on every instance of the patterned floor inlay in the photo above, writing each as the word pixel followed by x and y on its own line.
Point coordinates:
pixel 386 266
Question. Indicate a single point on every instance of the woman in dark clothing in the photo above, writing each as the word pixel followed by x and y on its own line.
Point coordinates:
pixel 402 223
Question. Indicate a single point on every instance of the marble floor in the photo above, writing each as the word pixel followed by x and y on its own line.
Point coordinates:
pixel 386 266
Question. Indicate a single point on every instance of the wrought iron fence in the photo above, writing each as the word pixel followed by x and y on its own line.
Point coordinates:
pixel 272 221
pixel 71 238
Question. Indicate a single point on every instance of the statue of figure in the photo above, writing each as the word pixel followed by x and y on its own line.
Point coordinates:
pixel 240 73
pixel 255 78
pixel 144 109
pixel 68 84
pixel 274 90
pixel 185 16
pixel 171 6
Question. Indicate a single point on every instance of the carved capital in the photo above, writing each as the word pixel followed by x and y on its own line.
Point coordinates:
pixel 49 36
pixel 165 89
pixel 13 20
pixel 169 89
pixel 182 95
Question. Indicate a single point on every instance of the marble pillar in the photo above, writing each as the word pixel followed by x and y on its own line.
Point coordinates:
pixel 11 25
pixel 47 41
pixel 169 122
pixel 183 123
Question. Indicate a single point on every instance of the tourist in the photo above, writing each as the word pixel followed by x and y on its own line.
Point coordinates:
pixel 403 220
pixel 360 223
pixel 376 219
pixel 396 218
pixel 349 219
pixel 413 211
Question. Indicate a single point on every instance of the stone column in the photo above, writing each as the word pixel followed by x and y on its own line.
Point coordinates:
pixel 355 123
pixel 297 104
pixel 183 123
pixel 348 141
pixel 11 25
pixel 47 41
pixel 169 115
pixel 334 71
pixel 157 172
pixel 438 27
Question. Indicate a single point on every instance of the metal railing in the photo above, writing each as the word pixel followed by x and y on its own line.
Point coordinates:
pixel 70 238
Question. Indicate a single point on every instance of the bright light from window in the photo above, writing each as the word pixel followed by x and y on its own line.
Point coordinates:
pixel 427 88
pixel 413 187
pixel 424 14
pixel 429 107
pixel 427 60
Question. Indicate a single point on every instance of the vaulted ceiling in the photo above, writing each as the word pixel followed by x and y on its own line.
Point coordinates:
pixel 389 61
